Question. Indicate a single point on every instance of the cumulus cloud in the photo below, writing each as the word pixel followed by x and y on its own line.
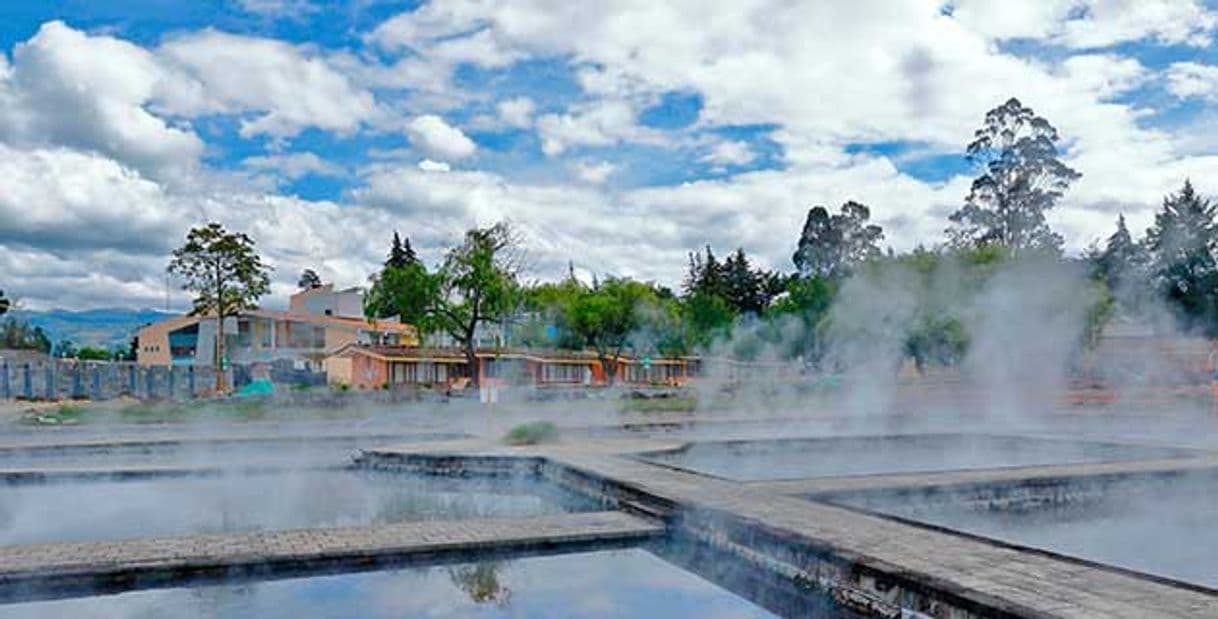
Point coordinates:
pixel 289 87
pixel 730 152
pixel 292 166
pixel 436 138
pixel 427 165
pixel 277 8
pixel 90 92
pixel 595 173
pixel 1192 79
pixel 516 112
pixel 600 124
pixel 1091 23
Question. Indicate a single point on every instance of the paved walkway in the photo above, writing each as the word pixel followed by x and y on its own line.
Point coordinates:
pixel 36 570
pixel 987 575
pixel 913 481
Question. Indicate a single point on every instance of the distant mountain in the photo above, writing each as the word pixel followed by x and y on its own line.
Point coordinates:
pixel 106 327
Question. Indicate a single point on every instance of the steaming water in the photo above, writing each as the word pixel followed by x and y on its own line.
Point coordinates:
pixel 120 509
pixel 1163 527
pixel 615 583
pixel 756 460
pixel 327 450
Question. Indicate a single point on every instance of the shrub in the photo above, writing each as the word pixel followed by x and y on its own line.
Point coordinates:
pixel 531 433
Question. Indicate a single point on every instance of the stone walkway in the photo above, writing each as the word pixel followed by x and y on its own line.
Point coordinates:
pixel 998 579
pixel 35 570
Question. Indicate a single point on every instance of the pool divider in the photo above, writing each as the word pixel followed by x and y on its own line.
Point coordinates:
pixel 866 570
pixel 56 570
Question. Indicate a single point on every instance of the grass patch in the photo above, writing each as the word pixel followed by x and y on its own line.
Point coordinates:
pixel 532 433
pixel 682 404
pixel 244 409
pixel 66 414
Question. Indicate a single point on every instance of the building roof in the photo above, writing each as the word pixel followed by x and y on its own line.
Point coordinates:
pixel 456 355
pixel 384 326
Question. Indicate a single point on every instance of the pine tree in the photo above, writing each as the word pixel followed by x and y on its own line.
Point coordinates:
pixel 1182 243
pixel 1122 259
pixel 400 252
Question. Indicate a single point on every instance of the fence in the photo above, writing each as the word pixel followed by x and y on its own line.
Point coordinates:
pixel 102 380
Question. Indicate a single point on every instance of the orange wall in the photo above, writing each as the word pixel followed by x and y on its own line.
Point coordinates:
pixel 368 373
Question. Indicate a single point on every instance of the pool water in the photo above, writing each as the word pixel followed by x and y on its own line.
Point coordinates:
pixel 757 460
pixel 122 509
pixel 611 583
pixel 1164 527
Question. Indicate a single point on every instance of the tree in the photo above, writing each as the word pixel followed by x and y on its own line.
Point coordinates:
pixel 476 284
pixel 1021 178
pixel 93 353
pixel 224 272
pixel 64 349
pixel 832 245
pixel 606 315
pixel 1181 243
pixel 404 292
pixel 705 275
pixel 309 279
pixel 1122 261
pixel 4 303
pixel 400 252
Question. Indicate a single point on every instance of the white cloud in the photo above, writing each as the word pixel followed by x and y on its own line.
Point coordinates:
pixel 595 173
pixel 292 166
pixel 1104 75
pixel 290 87
pixel 278 8
pixel 517 112
pixel 730 152
pixel 1191 79
pixel 90 92
pixel 436 138
pixel 1091 23
pixel 603 123
pixel 427 165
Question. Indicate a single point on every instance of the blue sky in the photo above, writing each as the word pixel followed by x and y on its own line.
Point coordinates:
pixel 618 136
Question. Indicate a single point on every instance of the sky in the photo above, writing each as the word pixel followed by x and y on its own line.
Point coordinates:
pixel 616 136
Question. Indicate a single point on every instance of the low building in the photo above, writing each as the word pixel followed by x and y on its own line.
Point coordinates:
pixel 373 367
pixel 318 322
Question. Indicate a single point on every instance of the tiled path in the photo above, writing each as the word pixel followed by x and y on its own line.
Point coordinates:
pixel 60 566
pixel 989 575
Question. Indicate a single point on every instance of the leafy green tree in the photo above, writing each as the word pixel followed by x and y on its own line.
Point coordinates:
pixel 225 274
pixel 807 301
pixel 606 315
pixel 477 284
pixel 706 317
pixel 406 292
pixel 309 279
pixel 832 245
pixel 93 353
pixel 1021 178
pixel 1182 243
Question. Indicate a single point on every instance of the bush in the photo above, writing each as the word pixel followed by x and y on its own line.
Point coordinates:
pixel 679 404
pixel 531 433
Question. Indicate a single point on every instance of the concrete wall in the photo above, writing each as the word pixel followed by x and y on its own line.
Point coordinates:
pixel 102 380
